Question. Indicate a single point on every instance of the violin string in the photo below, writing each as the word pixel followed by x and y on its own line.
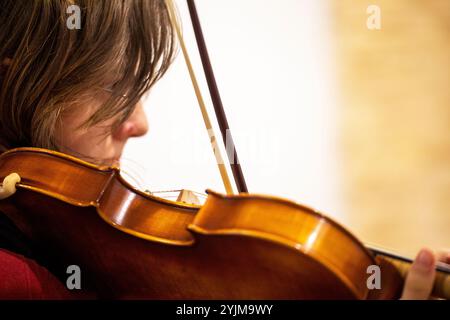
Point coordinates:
pixel 178 191
pixel 200 194
pixel 166 191
pixel 132 170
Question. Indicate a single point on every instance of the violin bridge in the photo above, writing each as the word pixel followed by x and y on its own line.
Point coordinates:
pixel 189 197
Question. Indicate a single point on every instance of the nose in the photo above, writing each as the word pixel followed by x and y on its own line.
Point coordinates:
pixel 135 126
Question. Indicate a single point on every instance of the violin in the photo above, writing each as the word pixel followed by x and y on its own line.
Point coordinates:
pixel 132 244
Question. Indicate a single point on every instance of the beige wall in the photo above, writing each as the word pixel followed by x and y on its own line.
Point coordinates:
pixel 395 121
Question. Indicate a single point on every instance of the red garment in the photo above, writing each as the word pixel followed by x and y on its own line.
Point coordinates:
pixel 22 278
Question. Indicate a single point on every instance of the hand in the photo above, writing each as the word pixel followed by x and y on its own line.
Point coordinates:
pixel 419 282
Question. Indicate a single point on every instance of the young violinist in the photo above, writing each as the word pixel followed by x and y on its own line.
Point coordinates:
pixel 79 92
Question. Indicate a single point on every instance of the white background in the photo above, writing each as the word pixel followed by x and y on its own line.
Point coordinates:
pixel 273 62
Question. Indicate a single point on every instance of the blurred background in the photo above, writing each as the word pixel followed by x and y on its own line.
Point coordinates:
pixel 342 105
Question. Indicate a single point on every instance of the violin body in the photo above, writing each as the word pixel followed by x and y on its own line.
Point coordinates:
pixel 129 244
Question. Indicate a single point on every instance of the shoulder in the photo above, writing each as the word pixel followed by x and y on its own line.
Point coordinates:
pixel 23 278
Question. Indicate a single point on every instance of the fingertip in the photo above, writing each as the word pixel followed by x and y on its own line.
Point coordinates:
pixel 443 255
pixel 419 281
pixel 426 259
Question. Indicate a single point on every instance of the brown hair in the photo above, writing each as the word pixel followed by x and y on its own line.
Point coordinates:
pixel 45 67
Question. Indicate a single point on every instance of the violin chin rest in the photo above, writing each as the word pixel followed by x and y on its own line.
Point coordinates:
pixel 8 187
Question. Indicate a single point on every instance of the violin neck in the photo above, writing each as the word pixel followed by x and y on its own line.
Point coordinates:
pixel 441 288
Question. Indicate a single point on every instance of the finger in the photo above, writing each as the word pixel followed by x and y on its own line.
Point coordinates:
pixel 443 256
pixel 420 278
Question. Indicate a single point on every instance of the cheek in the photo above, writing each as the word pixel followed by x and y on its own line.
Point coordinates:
pixel 93 143
pixel 88 144
pixel 68 133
